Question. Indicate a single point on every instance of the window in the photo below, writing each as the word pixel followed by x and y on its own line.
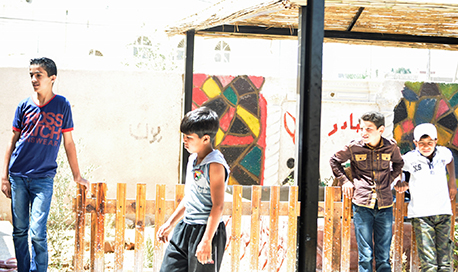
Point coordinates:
pixel 143 48
pixel 180 50
pixel 222 52
pixel 96 53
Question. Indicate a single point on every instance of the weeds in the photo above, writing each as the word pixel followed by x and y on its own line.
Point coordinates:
pixel 61 220
pixel 149 260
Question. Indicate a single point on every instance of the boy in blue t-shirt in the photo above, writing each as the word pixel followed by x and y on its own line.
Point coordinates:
pixel 199 240
pixel 40 123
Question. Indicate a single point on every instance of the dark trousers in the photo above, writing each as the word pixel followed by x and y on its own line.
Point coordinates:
pixel 180 254
pixel 433 242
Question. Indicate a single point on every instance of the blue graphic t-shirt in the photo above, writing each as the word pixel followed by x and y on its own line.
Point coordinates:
pixel 41 130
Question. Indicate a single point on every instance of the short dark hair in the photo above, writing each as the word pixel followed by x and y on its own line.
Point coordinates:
pixel 201 121
pixel 375 117
pixel 47 64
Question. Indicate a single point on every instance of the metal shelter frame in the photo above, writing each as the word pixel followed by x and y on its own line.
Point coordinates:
pixel 310 34
pixel 310 37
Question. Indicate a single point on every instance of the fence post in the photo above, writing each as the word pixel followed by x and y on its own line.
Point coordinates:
pixel 398 231
pixel 120 227
pixel 236 227
pixel 93 226
pixel 179 194
pixel 80 224
pixel 328 233
pixel 274 213
pixel 452 229
pixel 255 222
pixel 414 260
pixel 346 235
pixel 159 221
pixel 337 228
pixel 99 262
pixel 140 207
pixel 292 230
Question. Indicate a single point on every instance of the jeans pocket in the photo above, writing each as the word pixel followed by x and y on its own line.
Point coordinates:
pixel 355 208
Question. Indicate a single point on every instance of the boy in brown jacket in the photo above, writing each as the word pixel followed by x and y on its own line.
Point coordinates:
pixel 375 163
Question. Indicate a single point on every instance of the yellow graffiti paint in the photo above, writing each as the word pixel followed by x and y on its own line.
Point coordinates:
pixel 232 181
pixel 410 109
pixel 398 133
pixel 251 121
pixel 219 137
pixel 443 136
pixel 211 88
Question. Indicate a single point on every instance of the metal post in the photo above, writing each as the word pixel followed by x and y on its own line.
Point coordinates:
pixel 310 37
pixel 187 101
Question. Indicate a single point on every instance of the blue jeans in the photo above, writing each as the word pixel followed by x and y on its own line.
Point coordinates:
pixel 377 224
pixel 30 203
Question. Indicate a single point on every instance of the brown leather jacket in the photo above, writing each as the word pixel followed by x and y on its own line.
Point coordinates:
pixel 371 170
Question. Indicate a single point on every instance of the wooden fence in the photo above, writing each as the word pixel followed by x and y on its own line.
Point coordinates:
pixel 337 226
pixel 336 234
pixel 98 206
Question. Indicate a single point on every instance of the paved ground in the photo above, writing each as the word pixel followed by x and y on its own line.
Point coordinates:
pixel 6 240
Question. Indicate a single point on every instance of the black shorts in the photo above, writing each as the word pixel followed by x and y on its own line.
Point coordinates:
pixel 180 255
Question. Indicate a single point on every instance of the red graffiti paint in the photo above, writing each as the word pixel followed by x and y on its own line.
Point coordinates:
pixel 257 81
pixel 225 121
pixel 198 80
pixel 234 140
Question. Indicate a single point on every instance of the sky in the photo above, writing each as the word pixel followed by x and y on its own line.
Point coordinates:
pixel 119 11
pixel 338 58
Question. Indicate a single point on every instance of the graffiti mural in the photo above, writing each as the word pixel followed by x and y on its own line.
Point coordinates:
pixel 242 111
pixel 435 103
pixel 354 125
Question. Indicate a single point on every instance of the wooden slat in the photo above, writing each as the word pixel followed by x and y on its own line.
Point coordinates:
pixel 337 225
pixel 398 231
pixel 414 259
pixel 328 229
pixel 292 230
pixel 236 227
pixel 273 227
pixel 159 221
pixel 170 207
pixel 346 236
pixel 227 210
pixel 140 227
pixel 92 209
pixel 179 195
pixel 452 229
pixel 80 224
pixel 99 260
pixel 255 224
pixel 120 227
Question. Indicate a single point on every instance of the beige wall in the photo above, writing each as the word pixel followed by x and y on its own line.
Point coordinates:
pixel 127 123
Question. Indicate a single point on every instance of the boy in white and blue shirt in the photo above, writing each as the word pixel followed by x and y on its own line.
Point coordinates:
pixel 430 192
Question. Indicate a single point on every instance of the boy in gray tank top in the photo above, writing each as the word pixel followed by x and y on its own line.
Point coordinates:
pixel 199 239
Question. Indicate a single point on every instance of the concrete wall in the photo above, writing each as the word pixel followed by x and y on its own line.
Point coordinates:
pixel 343 102
pixel 126 123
